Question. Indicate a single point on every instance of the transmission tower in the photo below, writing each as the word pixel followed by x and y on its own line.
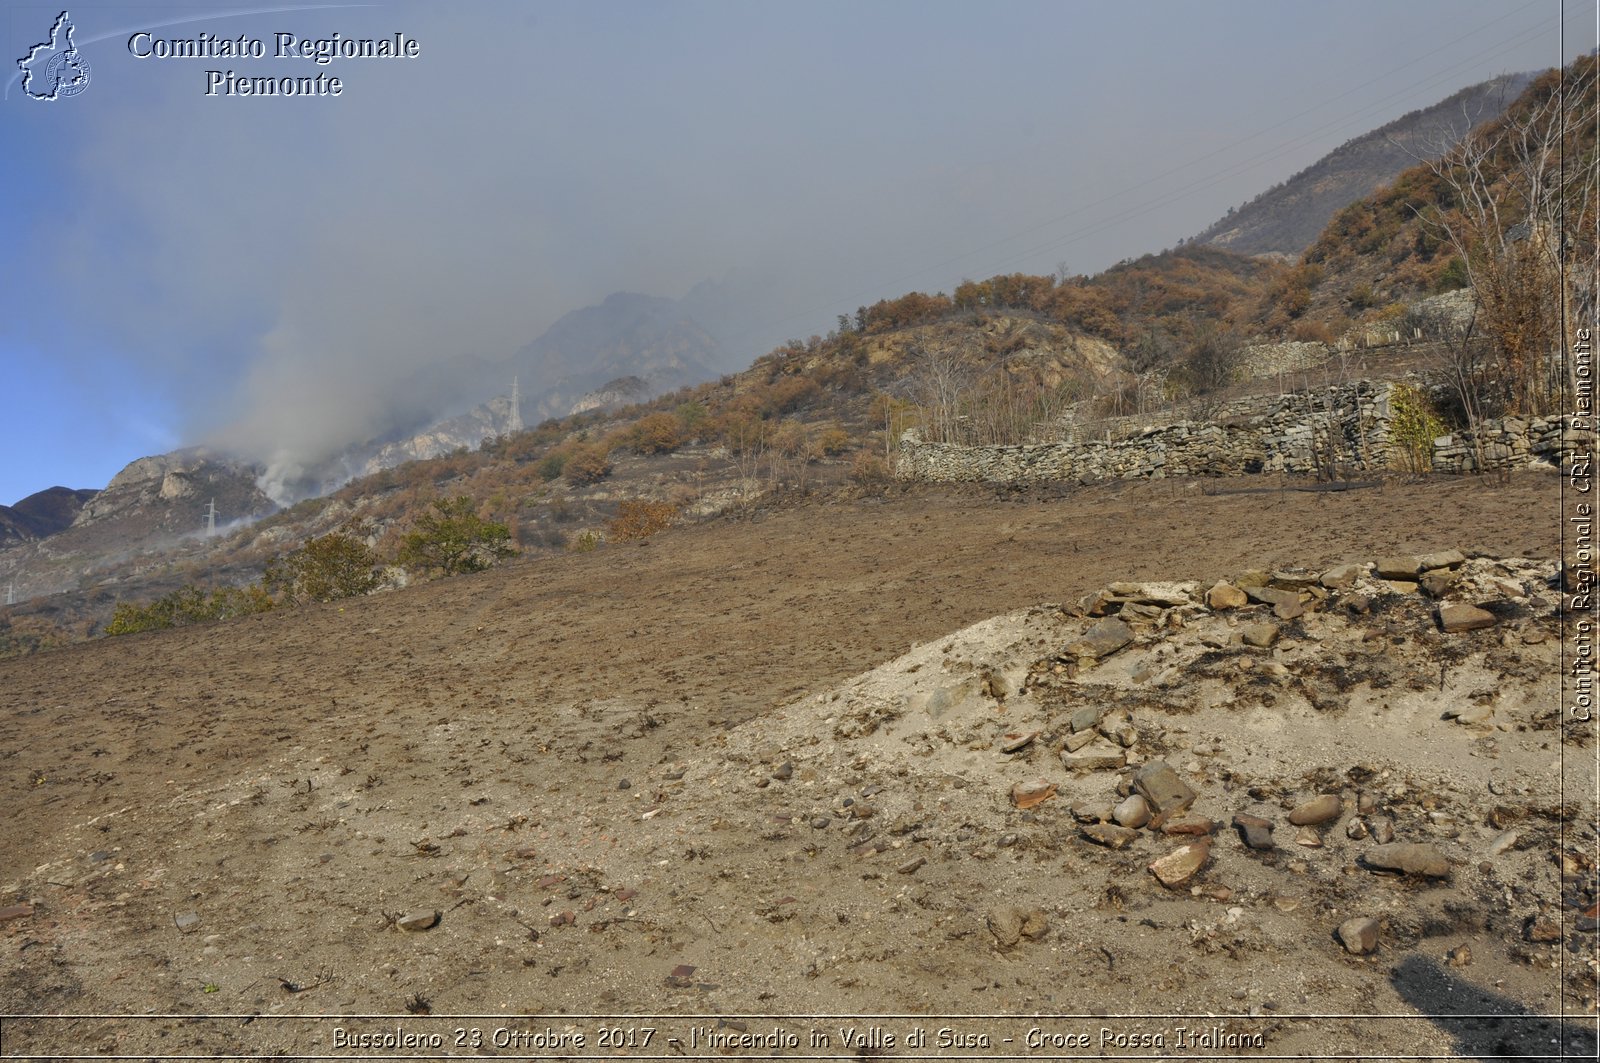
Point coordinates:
pixel 514 419
pixel 211 518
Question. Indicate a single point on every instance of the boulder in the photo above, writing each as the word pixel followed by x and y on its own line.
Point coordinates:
pixel 1102 640
pixel 1459 616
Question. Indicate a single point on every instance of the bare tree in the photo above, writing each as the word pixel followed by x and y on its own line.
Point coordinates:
pixel 1522 217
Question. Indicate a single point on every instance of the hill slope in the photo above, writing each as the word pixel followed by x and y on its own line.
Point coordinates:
pixel 1286 219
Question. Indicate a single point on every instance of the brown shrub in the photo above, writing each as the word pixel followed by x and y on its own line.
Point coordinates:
pixel 640 520
pixel 587 465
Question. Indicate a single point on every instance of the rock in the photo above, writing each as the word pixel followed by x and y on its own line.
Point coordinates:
pixel 1017 745
pixel 1260 635
pixel 1109 834
pixel 1438 584
pixel 910 867
pixel 1381 828
pixel 1398 568
pixel 1503 842
pixel 1319 809
pixel 1079 739
pixel 1225 596
pixel 1177 868
pixel 819 822
pixel 1289 610
pixel 1355 830
pixel 1460 956
pixel 1033 792
pixel 15 911
pixel 1309 837
pixel 415 922
pixel 1091 812
pixel 1102 640
pixel 1166 595
pixel 186 921
pixel 1359 936
pixel 1255 832
pixel 1134 811
pixel 1161 787
pixel 1412 858
pixel 682 976
pixel 1010 925
pixel 1341 577
pixel 784 772
pixel 1098 757
pixel 1293 579
pixel 1187 825
pixel 1273 595
pixel 1542 930
pixel 1459 616
pixel 1476 716
pixel 1442 559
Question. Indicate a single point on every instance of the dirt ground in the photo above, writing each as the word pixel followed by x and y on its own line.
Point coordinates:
pixel 671 797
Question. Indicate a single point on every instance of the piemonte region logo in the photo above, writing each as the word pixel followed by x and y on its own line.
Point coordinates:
pixel 56 65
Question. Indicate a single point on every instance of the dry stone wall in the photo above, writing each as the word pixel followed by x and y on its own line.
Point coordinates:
pixel 1347 427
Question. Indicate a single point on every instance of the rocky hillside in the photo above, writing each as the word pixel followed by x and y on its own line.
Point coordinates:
pixel 41 514
pixel 1288 218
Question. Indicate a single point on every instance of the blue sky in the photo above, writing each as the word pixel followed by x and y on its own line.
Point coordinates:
pixel 254 272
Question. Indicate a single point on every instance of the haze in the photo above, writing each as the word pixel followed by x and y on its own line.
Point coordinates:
pixel 267 274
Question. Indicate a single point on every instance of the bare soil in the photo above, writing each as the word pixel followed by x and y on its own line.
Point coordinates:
pixel 753 769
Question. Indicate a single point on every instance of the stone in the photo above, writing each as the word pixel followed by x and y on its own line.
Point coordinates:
pixel 819 822
pixel 1309 837
pixel 1342 577
pixel 1503 843
pixel 1459 616
pixel 186 921
pixel 1441 559
pixel 1166 595
pixel 1162 787
pixel 1398 568
pixel 784 772
pixel 1098 757
pixel 1476 716
pixel 415 922
pixel 1319 809
pixel 1010 925
pixel 1179 867
pixel 1225 596
pixel 1359 936
pixel 1289 610
pixel 1018 744
pixel 1355 830
pixel 1134 811
pixel 1084 718
pixel 1460 956
pixel 1109 834
pixel 1187 825
pixel 911 866
pixel 1102 640
pixel 1381 828
pixel 1438 584
pixel 1255 832
pixel 15 911
pixel 1033 792
pixel 1273 595
pixel 1260 635
pixel 1293 579
pixel 1079 739
pixel 1411 858
pixel 1091 811
pixel 1542 930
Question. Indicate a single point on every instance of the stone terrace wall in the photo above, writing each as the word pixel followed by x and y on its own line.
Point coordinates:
pixel 1296 433
pixel 1514 443
pixel 1290 433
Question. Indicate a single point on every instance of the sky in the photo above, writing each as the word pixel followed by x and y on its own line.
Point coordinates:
pixel 257 272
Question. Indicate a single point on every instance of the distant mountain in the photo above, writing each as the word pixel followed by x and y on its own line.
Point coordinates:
pixel 41 514
pixel 1287 219
pixel 627 335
